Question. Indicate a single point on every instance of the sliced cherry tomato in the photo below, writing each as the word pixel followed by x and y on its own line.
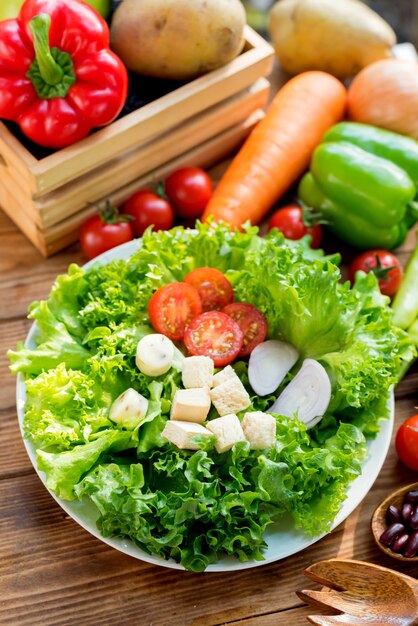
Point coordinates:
pixel 172 307
pixel 252 323
pixel 103 231
pixel 406 442
pixel 147 208
pixel 189 189
pixel 214 288
pixel 384 265
pixel 214 334
pixel 289 221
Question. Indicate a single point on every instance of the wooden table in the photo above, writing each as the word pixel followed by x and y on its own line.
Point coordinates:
pixel 54 573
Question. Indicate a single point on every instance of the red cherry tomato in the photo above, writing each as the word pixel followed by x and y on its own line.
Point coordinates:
pixel 252 323
pixel 189 189
pixel 147 208
pixel 289 221
pixel 104 231
pixel 214 334
pixel 406 442
pixel 172 307
pixel 214 288
pixel 384 265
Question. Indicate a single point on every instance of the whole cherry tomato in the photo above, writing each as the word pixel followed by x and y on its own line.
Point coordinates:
pixel 103 231
pixel 214 334
pixel 214 288
pixel 189 189
pixel 148 208
pixel 290 221
pixel 406 442
pixel 384 265
pixel 172 308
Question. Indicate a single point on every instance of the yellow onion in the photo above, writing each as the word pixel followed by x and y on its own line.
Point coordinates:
pixel 385 94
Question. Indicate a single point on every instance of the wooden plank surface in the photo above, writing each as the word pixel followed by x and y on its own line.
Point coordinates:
pixel 54 573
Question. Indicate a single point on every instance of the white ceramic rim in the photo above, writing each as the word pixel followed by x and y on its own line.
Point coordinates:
pixel 282 539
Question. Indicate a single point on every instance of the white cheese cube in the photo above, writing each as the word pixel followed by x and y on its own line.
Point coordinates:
pixel 197 371
pixel 228 373
pixel 182 433
pixel 259 429
pixel 227 430
pixel 128 409
pixel 191 405
pixel 230 397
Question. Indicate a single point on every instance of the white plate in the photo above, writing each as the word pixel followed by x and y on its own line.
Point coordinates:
pixel 282 539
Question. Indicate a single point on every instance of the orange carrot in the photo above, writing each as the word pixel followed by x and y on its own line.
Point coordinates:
pixel 279 149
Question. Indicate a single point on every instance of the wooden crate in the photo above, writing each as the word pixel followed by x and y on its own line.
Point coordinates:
pixel 48 198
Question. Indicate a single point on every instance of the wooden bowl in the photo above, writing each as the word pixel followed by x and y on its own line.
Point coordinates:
pixel 378 521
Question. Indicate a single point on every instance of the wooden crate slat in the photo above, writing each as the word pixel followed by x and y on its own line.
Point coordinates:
pixel 206 155
pixel 62 203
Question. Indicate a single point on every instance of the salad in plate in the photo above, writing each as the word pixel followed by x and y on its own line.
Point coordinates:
pixel 193 499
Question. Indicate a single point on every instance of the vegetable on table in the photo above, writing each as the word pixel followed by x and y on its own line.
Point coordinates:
pixel 384 265
pixel 189 189
pixel 385 94
pixel 406 442
pixel 295 222
pixel 58 77
pixel 405 304
pixel 337 37
pixel 366 200
pixel 401 150
pixel 278 150
pixel 147 208
pixel 104 231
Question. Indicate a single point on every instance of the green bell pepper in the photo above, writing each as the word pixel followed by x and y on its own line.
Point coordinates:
pixel 354 229
pixel 365 200
pixel 403 151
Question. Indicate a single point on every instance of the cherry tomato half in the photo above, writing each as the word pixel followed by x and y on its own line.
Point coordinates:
pixel 189 189
pixel 147 208
pixel 384 265
pixel 289 221
pixel 406 442
pixel 214 334
pixel 98 234
pixel 214 288
pixel 252 323
pixel 172 307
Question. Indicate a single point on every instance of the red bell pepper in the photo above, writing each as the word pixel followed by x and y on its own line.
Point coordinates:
pixel 58 77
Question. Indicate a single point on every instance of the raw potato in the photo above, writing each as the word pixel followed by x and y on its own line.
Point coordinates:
pixel 336 36
pixel 177 39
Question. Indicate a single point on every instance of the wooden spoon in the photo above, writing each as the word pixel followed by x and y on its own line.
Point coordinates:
pixel 379 524
pixel 361 593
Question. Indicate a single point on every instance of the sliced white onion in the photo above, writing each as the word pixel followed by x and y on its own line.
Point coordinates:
pixel 268 365
pixel 307 396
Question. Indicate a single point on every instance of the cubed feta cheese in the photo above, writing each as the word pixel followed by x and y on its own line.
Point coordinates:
pixel 197 371
pixel 182 433
pixel 227 430
pixel 259 429
pixel 228 373
pixel 230 397
pixel 191 405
